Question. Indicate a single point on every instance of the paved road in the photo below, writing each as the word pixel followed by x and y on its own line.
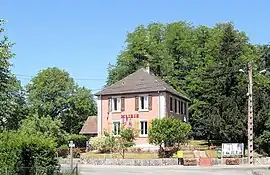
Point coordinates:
pixel 170 170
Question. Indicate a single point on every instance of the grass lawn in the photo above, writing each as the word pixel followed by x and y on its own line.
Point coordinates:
pixel 200 145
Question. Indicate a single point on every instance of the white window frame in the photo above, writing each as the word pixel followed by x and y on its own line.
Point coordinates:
pixel 143 135
pixel 118 104
pixel 170 97
pixel 177 106
pixel 113 122
pixel 146 102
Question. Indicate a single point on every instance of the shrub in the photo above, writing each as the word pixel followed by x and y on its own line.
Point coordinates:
pixel 126 139
pixel 76 153
pixel 78 140
pixel 63 151
pixel 99 143
pixel 167 153
pixel 19 149
pixel 168 131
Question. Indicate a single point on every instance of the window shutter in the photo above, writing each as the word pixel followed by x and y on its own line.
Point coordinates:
pixel 122 104
pixel 136 103
pixel 109 104
pixel 150 102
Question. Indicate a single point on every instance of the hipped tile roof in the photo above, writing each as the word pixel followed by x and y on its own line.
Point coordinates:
pixel 90 126
pixel 140 81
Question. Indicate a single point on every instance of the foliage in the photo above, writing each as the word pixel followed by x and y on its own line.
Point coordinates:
pixel 12 102
pixel 182 131
pixel 203 63
pixel 99 143
pixel 63 151
pixel 126 139
pixel 52 92
pixel 45 126
pixel 111 141
pixel 18 149
pixel 264 140
pixel 78 140
pixel 168 131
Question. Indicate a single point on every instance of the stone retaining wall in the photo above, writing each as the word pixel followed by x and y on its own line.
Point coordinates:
pixel 156 162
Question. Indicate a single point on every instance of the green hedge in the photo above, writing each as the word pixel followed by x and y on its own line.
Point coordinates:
pixel 19 150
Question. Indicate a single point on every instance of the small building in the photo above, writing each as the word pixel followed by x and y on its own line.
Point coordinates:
pixel 89 128
pixel 135 101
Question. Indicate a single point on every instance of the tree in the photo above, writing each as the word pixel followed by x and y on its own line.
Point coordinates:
pixel 52 92
pixel 16 108
pixel 12 102
pixel 81 106
pixel 203 62
pixel 168 131
pixel 126 139
pixel 45 126
pixel 182 131
pixel 111 141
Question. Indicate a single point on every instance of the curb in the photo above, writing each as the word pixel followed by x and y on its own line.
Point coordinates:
pixel 178 167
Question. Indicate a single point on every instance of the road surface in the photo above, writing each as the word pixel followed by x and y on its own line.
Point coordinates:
pixel 170 170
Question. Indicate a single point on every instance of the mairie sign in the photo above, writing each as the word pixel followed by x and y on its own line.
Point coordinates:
pixel 130 116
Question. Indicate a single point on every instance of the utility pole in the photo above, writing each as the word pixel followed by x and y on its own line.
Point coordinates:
pixel 250 115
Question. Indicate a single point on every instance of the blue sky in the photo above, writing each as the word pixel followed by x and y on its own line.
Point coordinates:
pixel 84 36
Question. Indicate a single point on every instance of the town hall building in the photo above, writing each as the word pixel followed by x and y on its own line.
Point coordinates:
pixel 135 101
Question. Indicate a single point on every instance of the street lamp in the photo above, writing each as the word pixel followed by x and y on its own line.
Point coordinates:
pixel 250 112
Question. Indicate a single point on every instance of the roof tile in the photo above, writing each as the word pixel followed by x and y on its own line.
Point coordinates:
pixel 90 126
pixel 139 82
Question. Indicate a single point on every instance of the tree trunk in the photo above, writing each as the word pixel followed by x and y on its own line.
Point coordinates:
pixel 123 153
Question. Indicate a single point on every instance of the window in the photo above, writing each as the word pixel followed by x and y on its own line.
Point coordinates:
pixel 178 107
pixel 116 104
pixel 116 128
pixel 175 105
pixel 144 128
pixel 171 104
pixel 182 107
pixel 143 102
pixel 185 109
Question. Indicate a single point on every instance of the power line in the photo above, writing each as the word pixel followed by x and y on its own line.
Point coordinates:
pixel 29 77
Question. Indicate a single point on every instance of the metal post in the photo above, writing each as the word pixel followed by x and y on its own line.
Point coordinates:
pixel 77 171
pixel 71 156
pixel 250 115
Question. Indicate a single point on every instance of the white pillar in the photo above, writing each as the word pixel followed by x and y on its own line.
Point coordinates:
pixel 99 117
pixel 163 109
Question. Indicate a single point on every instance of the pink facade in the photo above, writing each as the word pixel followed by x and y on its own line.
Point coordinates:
pixel 137 111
